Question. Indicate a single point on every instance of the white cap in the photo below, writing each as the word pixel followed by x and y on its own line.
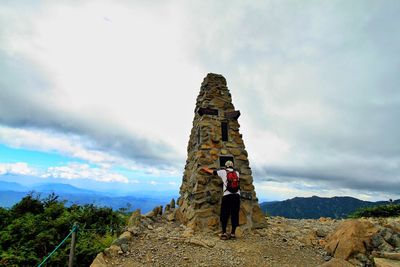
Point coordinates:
pixel 229 164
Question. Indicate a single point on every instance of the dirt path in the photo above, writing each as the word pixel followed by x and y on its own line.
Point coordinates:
pixel 283 243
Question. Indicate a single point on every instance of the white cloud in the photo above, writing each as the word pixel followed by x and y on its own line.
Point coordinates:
pixel 69 171
pixel 65 144
pixel 17 168
pixel 175 184
pixel 315 85
pixel 75 147
pixel 162 171
pixel 84 171
pixel 117 65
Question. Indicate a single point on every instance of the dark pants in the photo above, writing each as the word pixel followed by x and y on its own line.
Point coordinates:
pixel 230 207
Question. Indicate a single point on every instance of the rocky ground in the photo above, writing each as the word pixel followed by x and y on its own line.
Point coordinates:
pixel 159 242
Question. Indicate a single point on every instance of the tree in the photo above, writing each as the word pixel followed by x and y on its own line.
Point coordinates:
pixel 32 228
pixel 29 203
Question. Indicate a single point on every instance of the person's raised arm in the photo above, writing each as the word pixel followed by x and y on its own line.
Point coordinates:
pixel 207 170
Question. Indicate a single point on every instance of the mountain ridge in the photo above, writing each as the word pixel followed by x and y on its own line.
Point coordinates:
pixel 12 192
pixel 315 207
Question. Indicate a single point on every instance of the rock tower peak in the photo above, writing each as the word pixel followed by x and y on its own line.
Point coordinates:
pixel 213 140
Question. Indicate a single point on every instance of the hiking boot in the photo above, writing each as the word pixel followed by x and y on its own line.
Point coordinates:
pixel 224 236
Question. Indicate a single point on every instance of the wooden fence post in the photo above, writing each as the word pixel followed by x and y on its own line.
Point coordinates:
pixel 73 243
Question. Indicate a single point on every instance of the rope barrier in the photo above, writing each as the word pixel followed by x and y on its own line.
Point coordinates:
pixel 59 245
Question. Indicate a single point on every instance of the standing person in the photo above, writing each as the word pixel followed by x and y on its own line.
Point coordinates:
pixel 230 205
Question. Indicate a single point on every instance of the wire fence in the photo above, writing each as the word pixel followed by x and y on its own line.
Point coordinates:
pixel 75 228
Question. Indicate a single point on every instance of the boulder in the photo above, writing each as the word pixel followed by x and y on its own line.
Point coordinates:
pixel 167 208
pixel 135 218
pixel 381 262
pixel 321 232
pixel 170 216
pixel 126 235
pixel 112 251
pixel 172 204
pixel 135 230
pixel 99 261
pixel 350 238
pixel 125 248
pixel 124 238
pixel 387 255
pixel 394 240
pixel 239 232
pixel 154 213
pixel 386 233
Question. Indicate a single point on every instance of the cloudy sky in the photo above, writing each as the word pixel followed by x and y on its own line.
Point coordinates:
pixel 102 92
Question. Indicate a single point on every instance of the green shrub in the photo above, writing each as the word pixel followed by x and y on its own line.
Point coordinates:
pixel 32 228
pixel 390 210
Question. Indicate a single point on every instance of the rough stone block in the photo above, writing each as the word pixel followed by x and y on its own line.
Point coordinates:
pixel 213 222
pixel 246 171
pixel 242 157
pixel 202 180
pixel 205 146
pixel 214 151
pixel 247 187
pixel 236 152
pixel 247 206
pixel 258 217
pixel 205 161
pixel 242 216
pixel 231 145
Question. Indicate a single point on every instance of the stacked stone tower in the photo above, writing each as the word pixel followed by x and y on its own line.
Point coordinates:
pixel 214 139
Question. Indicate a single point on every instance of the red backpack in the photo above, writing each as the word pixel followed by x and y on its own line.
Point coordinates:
pixel 232 181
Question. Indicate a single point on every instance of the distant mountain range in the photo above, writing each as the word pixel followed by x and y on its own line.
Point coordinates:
pixel 316 207
pixel 11 193
pixel 298 207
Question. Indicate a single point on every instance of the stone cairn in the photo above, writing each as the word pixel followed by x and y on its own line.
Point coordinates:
pixel 214 139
